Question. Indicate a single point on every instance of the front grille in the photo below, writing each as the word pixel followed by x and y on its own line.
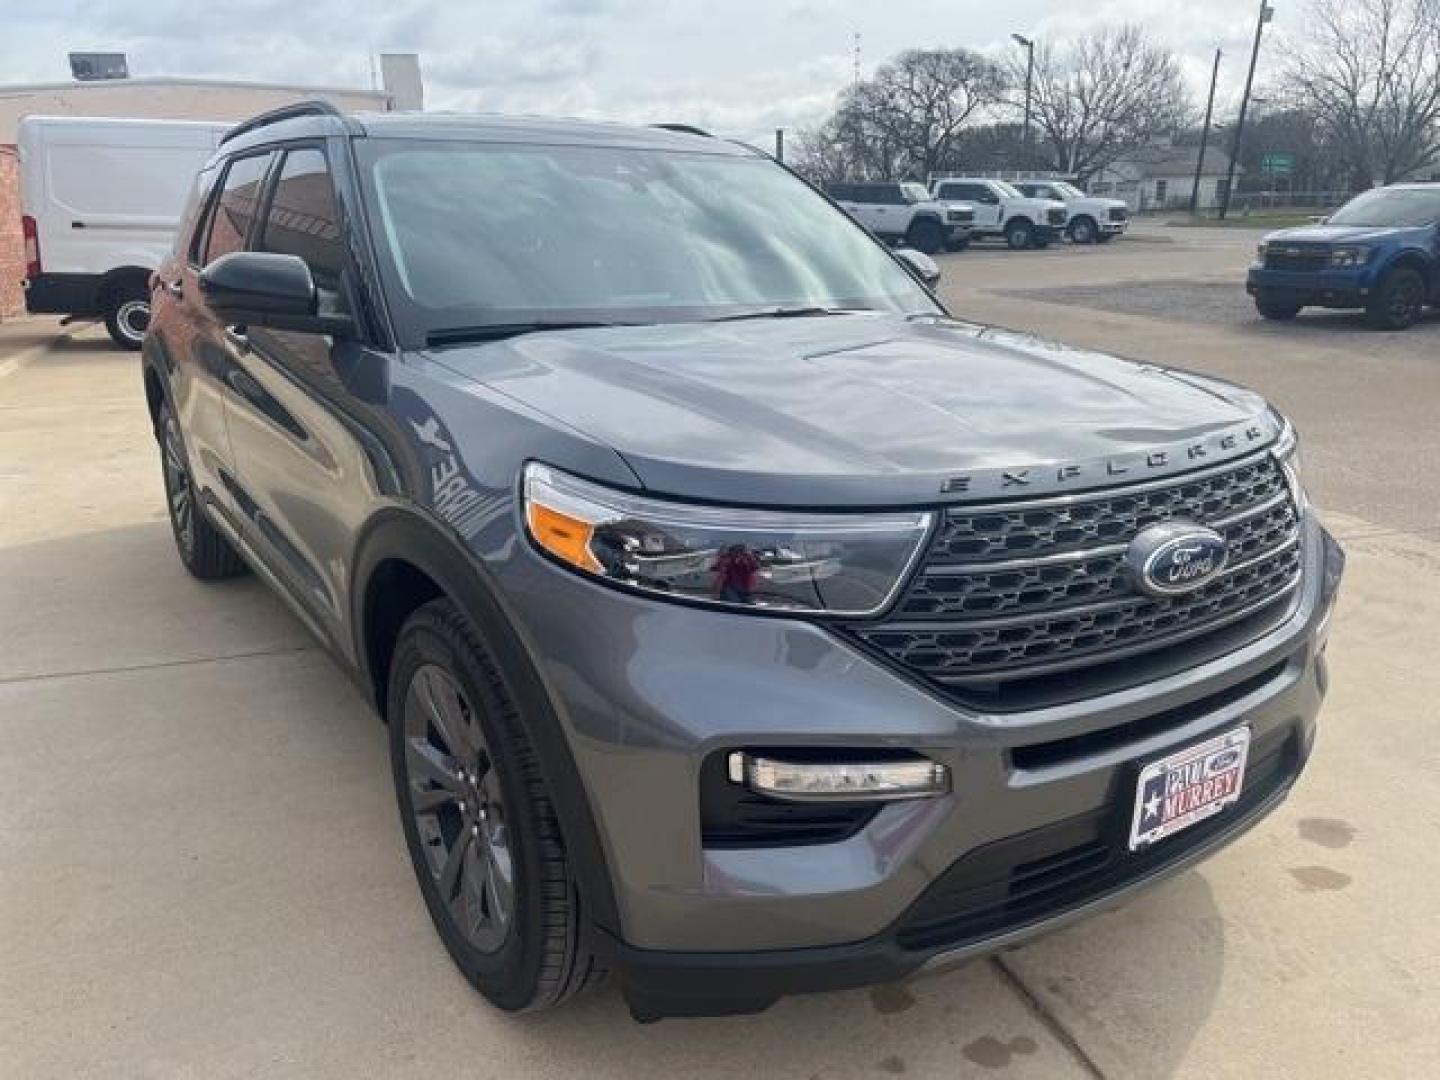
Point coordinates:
pixel 1055 216
pixel 1119 213
pixel 1013 592
pixel 1296 257
pixel 1011 883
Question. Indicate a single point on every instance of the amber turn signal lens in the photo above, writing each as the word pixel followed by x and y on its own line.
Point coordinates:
pixel 563 536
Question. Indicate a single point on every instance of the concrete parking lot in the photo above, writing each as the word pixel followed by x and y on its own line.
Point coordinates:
pixel 201 871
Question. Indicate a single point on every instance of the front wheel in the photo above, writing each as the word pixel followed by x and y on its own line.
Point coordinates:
pixel 1276 310
pixel 926 235
pixel 479 821
pixel 1083 231
pixel 1399 301
pixel 1020 235
pixel 127 317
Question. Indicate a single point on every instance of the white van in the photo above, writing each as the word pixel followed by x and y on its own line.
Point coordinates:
pixel 101 200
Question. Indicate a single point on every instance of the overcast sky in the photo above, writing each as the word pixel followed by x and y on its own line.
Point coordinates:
pixel 739 67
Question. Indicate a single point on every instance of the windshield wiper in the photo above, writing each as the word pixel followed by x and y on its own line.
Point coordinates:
pixel 455 335
pixel 788 313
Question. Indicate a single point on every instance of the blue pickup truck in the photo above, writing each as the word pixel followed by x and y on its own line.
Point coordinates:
pixel 1380 252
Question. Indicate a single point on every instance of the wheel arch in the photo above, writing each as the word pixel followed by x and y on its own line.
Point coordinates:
pixel 1413 260
pixel 1019 219
pixel 120 279
pixel 402 554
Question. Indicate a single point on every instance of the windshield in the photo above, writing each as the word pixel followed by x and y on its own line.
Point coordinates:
pixel 1067 191
pixel 915 192
pixel 1007 189
pixel 488 234
pixel 1390 208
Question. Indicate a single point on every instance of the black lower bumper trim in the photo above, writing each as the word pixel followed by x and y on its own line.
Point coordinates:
pixel 63 294
pixel 990 899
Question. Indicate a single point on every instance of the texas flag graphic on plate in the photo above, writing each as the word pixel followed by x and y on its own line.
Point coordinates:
pixel 1189 786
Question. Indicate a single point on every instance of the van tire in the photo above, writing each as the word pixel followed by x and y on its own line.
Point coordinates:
pixel 127 315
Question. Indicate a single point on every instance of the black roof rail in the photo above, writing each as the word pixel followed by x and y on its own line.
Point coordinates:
pixel 684 129
pixel 285 112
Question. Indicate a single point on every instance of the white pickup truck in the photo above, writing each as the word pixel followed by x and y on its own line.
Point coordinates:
pixel 904 213
pixel 1001 210
pixel 1092 219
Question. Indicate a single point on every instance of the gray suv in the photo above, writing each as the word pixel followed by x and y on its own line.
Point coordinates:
pixel 742 623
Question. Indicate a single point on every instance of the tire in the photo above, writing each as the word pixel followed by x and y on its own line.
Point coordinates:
pixel 483 838
pixel 1020 234
pixel 127 316
pixel 1399 301
pixel 1082 230
pixel 926 235
pixel 1276 310
pixel 204 551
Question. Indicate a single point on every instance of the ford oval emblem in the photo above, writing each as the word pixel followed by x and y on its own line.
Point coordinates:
pixel 1174 558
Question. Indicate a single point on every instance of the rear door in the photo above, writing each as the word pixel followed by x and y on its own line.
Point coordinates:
pixel 200 350
pixel 887 209
pixel 294 422
pixel 988 211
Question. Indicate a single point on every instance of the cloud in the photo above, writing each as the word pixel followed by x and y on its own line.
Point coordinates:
pixel 741 68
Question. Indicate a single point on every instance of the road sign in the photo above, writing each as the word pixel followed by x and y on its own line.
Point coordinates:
pixel 1278 164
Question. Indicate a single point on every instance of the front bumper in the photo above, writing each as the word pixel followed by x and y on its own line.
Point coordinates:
pixel 63 294
pixel 1115 228
pixel 1342 288
pixel 925 883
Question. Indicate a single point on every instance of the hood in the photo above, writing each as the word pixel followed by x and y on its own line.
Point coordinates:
pixel 865 409
pixel 1335 234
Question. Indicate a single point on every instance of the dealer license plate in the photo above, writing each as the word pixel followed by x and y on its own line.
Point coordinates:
pixel 1188 786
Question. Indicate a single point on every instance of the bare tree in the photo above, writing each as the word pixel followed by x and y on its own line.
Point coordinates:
pixel 905 120
pixel 1370 72
pixel 1106 94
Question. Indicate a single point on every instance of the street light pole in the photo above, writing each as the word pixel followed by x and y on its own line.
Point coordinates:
pixel 1029 46
pixel 1266 14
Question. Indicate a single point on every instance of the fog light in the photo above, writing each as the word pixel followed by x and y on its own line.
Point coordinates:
pixel 852 780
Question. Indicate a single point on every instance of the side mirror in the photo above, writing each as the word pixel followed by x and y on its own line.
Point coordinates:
pixel 258 288
pixel 921 265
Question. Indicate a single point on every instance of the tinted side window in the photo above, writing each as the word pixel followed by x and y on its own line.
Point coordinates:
pixel 841 192
pixel 304 218
pixel 890 194
pixel 236 206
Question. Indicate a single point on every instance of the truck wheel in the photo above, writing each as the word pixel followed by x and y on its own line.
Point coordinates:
pixel 926 235
pixel 203 549
pixel 127 316
pixel 479 821
pixel 1275 309
pixel 1020 234
pixel 1399 300
pixel 1082 230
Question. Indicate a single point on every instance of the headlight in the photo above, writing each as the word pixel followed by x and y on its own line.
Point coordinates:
pixel 840 564
pixel 1349 256
pixel 1287 452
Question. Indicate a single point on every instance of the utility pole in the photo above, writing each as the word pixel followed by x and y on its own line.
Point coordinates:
pixel 1266 14
pixel 1029 46
pixel 1205 137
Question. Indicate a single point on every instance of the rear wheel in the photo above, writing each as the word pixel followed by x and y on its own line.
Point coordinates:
pixel 203 550
pixel 1082 230
pixel 127 315
pixel 1276 309
pixel 926 235
pixel 1020 235
pixel 479 821
pixel 1398 302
